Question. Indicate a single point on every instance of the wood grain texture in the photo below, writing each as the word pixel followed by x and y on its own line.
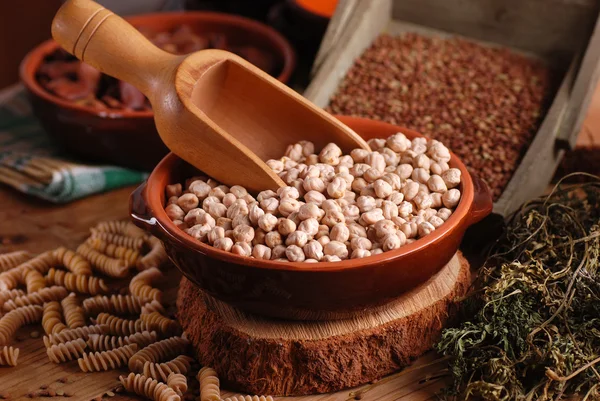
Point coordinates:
pixel 269 356
pixel 34 225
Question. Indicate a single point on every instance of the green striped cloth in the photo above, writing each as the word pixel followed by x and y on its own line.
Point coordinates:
pixel 32 163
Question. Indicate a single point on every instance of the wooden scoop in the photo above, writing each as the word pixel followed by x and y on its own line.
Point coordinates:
pixel 212 108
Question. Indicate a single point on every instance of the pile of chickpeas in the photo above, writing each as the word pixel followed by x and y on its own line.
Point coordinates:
pixel 334 207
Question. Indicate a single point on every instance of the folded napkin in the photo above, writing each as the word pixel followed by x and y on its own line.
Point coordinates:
pixel 32 163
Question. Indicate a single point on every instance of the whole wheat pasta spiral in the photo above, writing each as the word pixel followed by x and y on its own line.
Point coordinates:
pixel 159 351
pixel 68 351
pixel 13 277
pixel 13 259
pixel 72 261
pixel 161 371
pixel 177 382
pixel 73 282
pixel 47 294
pixel 73 334
pixel 8 356
pixel 153 306
pixel 156 257
pixel 115 251
pixel 249 398
pixel 162 324
pixel 113 359
pixel 52 318
pixel 148 387
pixel 140 284
pixel 119 240
pixel 102 342
pixel 33 280
pixel 115 304
pixel 16 318
pixel 209 384
pixel 104 264
pixel 73 312
pixel 121 327
pixel 9 294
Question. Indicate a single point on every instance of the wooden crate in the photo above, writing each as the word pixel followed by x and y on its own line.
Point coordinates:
pixel 563 33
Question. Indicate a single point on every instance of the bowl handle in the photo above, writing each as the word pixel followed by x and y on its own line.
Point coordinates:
pixel 140 213
pixel 482 201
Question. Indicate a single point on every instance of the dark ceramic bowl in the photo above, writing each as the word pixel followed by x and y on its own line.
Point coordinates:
pixel 299 290
pixel 129 138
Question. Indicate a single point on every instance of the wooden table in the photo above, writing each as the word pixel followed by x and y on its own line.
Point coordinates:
pixel 35 225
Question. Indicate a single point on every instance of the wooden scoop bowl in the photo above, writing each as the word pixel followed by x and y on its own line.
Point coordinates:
pixel 212 108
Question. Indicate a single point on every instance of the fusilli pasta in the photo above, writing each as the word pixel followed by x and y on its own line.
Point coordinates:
pixel 112 226
pixel 115 304
pixel 163 325
pixel 8 356
pixel 13 259
pixel 33 280
pixel 249 398
pixel 160 371
pixel 109 266
pixel 73 312
pixel 52 318
pixel 73 334
pixel 153 306
pixel 159 351
pixel 119 240
pixel 13 277
pixel 121 327
pixel 209 384
pixel 114 251
pixel 102 342
pixel 177 382
pixel 16 318
pixel 106 360
pixel 148 387
pixel 140 284
pixel 156 257
pixel 46 294
pixel 73 282
pixel 68 351
pixel 9 294
pixel 72 261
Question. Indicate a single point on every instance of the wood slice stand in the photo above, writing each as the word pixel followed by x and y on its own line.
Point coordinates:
pixel 259 355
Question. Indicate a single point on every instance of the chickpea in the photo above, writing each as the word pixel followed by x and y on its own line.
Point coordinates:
pixel 427 213
pixel 359 184
pixel 404 171
pixel 365 203
pixel 298 238
pixel 435 221
pixel 225 223
pixel 200 189
pixel 360 253
pixel 278 252
pixel 439 167
pixel 266 195
pixel 180 224
pixel 398 142
pixel 450 198
pixel 314 184
pixel 308 148
pixel 173 200
pixel 422 201
pixel 261 252
pixel 358 155
pixel 313 250
pixel 376 143
pixel 173 190
pixel 188 202
pixel 372 175
pixel 287 206
pixel 215 234
pixel 275 165
pixel 376 251
pixel 451 177
pixel 199 231
pixel 410 190
pixel 409 229
pixel 299 185
pixel 331 258
pixel 340 233
pixel 390 157
pixel 312 159
pixel 269 205
pixel 314 197
pixel 239 207
pixel 382 189
pixel 255 213
pixel 273 238
pixel 349 197
pixel 337 187
pixel 372 216
pixel 294 253
pixel 175 212
pixel 439 152
pixel 224 244
pixel 242 249
pixel 389 210
pixel 376 160
pixel 240 219
pixel 436 200
pixel 444 213
pixel 323 230
pixel 383 228
pixel 359 169
pixel 288 193
pixel 419 145
pixel 324 240
pixel 360 243
pixel 346 161
pixel 420 175
pixel 425 228
pixel 330 154
pixel 391 242
pixel 286 226
pixel 259 237
pixel 309 226
pixel 332 218
pixel 219 192
pixel 243 233
pixel 209 200
pixel 228 199
pixel 294 152
pixel 356 230
pixel 336 248
pixel 436 184
pixel 351 212
pixel 205 218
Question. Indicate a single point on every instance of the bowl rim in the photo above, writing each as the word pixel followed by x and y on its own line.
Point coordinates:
pixel 459 218
pixel 33 59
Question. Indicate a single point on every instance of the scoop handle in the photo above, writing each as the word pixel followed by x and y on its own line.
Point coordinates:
pixel 110 44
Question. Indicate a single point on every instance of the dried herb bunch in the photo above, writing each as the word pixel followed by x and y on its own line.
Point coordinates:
pixel 531 328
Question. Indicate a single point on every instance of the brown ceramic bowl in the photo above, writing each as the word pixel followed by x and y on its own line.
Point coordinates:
pixel 129 138
pixel 300 290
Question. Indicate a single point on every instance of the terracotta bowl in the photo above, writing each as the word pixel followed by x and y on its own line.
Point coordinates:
pixel 300 290
pixel 129 138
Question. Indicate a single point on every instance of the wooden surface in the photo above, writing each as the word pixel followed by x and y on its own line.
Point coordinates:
pixel 283 357
pixel 575 80
pixel 38 226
